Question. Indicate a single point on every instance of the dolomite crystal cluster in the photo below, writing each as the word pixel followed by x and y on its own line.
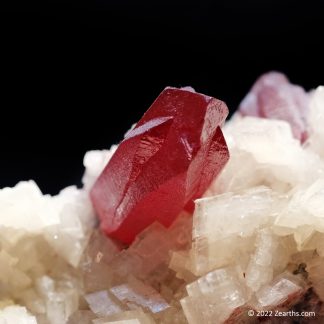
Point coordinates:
pixel 255 240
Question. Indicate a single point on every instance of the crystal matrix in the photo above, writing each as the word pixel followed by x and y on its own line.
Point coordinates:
pixel 254 242
pixel 165 162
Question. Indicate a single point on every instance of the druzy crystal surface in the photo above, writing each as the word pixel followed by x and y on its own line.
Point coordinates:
pixel 165 162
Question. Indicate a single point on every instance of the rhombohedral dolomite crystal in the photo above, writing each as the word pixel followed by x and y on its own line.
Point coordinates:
pixel 252 248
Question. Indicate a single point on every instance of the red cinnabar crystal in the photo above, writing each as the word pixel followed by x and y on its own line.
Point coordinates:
pixel 163 164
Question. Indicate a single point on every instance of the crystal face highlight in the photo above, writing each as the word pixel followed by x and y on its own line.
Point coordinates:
pixel 165 162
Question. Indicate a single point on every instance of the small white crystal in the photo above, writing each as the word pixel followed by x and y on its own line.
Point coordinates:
pixel 277 292
pixel 213 297
pixel 274 158
pixel 61 301
pixel 31 214
pixel 76 218
pixel 316 121
pixel 16 315
pixel 136 294
pixel 223 229
pixel 180 263
pixel 304 212
pixel 260 268
pixel 102 304
pixel 94 163
pixel 222 216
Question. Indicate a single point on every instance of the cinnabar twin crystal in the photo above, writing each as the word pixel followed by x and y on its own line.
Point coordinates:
pixel 165 162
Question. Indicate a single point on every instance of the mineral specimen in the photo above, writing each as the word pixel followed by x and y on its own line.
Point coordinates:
pixel 253 246
pixel 165 162
pixel 272 96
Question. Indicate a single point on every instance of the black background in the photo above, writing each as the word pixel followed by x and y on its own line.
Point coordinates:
pixel 76 74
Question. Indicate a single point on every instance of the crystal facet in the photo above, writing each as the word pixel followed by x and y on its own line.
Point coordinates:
pixel 273 97
pixel 163 164
pixel 316 121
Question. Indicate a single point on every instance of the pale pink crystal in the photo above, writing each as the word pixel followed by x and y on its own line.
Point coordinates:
pixel 273 96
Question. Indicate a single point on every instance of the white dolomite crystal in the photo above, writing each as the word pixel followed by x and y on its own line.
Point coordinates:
pixel 260 270
pixel 316 121
pixel 271 156
pixel 102 304
pixel 223 231
pixel 16 315
pixel 304 213
pixel 213 297
pixel 277 292
pixel 136 294
pixel 94 163
pixel 32 213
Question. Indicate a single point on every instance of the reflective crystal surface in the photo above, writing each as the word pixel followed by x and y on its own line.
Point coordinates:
pixel 177 147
